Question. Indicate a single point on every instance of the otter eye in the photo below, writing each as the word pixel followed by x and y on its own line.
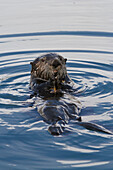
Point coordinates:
pixel 42 59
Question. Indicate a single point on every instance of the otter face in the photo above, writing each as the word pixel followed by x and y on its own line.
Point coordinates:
pixel 49 67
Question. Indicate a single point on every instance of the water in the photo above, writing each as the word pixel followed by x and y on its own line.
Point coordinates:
pixel 81 31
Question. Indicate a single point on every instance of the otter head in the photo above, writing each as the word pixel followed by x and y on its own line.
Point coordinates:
pixel 49 67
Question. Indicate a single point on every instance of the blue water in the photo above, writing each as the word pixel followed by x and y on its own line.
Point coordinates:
pixel 82 32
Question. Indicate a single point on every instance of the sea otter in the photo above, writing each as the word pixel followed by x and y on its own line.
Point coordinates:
pixel 49 74
pixel 54 94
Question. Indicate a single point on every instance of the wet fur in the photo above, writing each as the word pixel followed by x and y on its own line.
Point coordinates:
pixel 49 67
pixel 56 108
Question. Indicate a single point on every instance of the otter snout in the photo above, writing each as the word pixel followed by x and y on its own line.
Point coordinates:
pixel 56 63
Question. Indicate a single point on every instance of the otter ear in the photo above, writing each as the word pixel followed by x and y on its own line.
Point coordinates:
pixel 31 63
pixel 65 60
pixel 31 66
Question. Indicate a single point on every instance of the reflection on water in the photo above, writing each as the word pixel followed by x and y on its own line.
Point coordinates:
pixel 82 32
pixel 83 163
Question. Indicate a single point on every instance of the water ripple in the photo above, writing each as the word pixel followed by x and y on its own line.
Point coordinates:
pixel 74 33
pixel 53 51
pixel 80 163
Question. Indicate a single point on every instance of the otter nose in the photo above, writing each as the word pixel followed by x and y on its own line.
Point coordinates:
pixel 56 63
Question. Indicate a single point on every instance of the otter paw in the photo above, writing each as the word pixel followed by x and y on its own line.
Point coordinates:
pixel 55 130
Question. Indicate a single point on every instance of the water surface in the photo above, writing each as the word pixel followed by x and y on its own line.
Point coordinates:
pixel 82 32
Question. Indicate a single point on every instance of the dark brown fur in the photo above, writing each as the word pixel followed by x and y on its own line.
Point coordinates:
pixel 49 72
pixel 56 107
pixel 49 67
